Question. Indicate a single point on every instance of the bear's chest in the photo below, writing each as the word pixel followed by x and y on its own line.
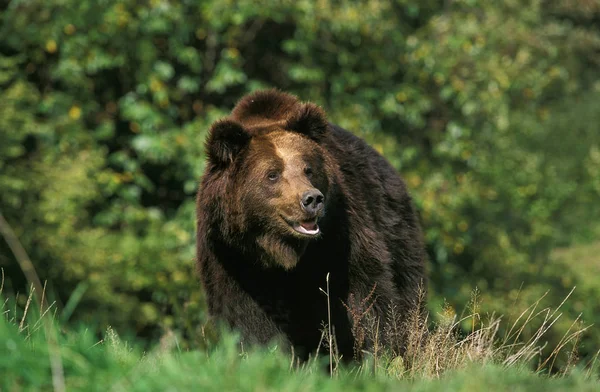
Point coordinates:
pixel 301 309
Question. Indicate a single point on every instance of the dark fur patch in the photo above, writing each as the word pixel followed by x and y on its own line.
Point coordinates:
pixel 226 139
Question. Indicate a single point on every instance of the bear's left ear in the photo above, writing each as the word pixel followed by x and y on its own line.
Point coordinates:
pixel 225 141
pixel 309 120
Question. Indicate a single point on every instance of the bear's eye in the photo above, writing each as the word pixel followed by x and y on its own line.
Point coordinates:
pixel 308 171
pixel 273 176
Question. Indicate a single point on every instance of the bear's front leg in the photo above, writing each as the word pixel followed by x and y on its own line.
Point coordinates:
pixel 245 315
pixel 228 302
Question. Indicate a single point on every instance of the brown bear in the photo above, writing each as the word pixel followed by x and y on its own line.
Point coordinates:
pixel 288 198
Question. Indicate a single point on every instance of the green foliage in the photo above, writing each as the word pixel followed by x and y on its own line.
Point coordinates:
pixel 488 109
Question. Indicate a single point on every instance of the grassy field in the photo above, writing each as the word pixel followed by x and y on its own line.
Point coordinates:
pixel 38 355
pixel 27 363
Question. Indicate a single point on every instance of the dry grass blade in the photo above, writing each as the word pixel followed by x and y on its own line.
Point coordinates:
pixel 431 353
pixel 567 337
pixel 38 323
pixel 20 255
pixel 359 309
pixel 563 301
pixel 530 349
pixel 22 323
pixel 58 377
pixel 43 301
pixel 515 336
pixel 330 337
pixel 592 364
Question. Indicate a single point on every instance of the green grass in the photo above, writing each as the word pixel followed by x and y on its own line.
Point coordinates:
pixel 25 365
pixel 81 362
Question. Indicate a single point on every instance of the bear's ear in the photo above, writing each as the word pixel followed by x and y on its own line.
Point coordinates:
pixel 309 120
pixel 225 140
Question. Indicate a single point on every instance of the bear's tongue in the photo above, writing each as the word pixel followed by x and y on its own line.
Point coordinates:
pixel 310 226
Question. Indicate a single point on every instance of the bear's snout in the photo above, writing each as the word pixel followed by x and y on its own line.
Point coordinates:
pixel 312 201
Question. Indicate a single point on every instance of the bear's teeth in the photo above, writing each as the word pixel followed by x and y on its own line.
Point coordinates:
pixel 314 229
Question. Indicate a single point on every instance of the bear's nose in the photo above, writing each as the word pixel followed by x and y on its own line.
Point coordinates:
pixel 312 201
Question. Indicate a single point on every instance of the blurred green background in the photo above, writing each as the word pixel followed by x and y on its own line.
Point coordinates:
pixel 489 109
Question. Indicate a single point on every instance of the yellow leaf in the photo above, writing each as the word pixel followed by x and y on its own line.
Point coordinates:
pixel 69 29
pixel 51 46
pixel 75 112
pixel 414 181
pixel 233 53
pixel 458 248
pixel 401 96
pixel 200 34
pixel 155 85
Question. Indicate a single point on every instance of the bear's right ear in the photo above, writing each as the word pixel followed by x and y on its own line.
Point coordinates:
pixel 225 140
pixel 309 120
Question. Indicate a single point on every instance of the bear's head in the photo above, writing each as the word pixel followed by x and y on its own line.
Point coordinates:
pixel 274 175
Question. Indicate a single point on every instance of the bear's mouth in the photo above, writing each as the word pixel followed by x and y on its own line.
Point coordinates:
pixel 306 227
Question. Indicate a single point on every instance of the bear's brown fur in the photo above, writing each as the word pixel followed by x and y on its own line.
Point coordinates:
pixel 287 198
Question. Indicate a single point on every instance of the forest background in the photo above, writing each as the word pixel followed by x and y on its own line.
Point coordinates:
pixel 490 110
